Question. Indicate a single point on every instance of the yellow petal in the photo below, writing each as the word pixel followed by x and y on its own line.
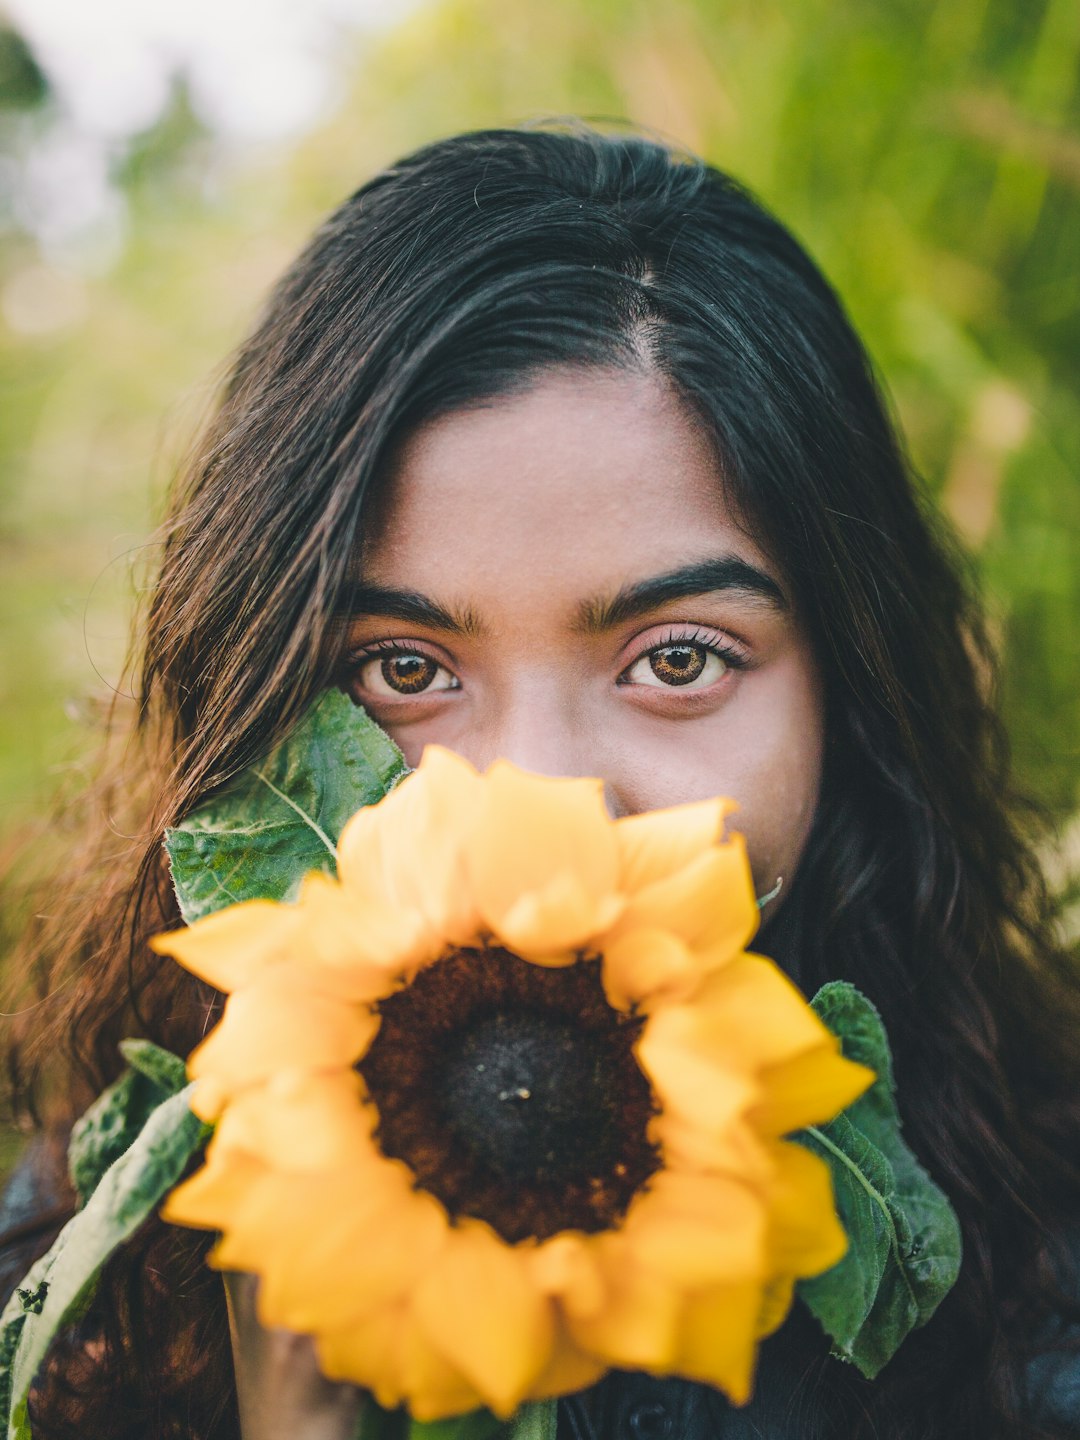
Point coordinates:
pixel 659 843
pixel 371 1245
pixel 230 948
pixel 730 1149
pixel 646 966
pixel 710 903
pixel 747 1015
pixel 551 959
pixel 569 1369
pixel 251 1221
pixel 507 1340
pixel 209 1098
pixel 560 919
pixel 809 1089
pixel 776 1302
pixel 406 851
pixel 302 1121
pixel 717 1339
pixel 699 1229
pixel 565 1268
pixel 280 1023
pixel 532 836
pixel 367 1352
pixel 805 1235
pixel 637 1327
pixel 389 1355
pixel 697 1090
pixel 249 1211
pixel 435 1387
pixel 356 948
pixel 214 1192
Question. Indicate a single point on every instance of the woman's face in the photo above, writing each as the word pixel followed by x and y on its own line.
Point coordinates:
pixel 555 578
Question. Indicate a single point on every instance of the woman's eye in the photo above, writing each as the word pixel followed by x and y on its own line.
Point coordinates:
pixel 683 663
pixel 403 672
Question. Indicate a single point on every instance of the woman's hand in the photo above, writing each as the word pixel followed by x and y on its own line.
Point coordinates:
pixel 281 1394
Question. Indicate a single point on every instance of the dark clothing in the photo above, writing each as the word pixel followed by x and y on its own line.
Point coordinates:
pixel 637 1407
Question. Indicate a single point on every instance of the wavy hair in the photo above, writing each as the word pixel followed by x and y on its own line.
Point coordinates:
pixel 453 277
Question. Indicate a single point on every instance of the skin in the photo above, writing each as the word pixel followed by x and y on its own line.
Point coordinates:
pixel 508 608
pixel 522 520
pixel 279 1390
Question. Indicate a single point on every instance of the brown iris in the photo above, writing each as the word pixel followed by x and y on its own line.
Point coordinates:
pixel 512 1092
pixel 678 664
pixel 408 674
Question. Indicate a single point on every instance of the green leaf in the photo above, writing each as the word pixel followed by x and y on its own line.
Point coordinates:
pixel 535 1421
pixel 11 1326
pixel 904 1244
pixel 62 1283
pixel 379 1424
pixel 477 1425
pixel 282 817
pixel 164 1069
pixel 113 1121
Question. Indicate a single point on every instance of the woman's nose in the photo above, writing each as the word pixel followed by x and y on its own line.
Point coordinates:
pixel 546 736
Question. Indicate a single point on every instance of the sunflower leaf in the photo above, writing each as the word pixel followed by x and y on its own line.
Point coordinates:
pixel 282 817
pixel 164 1069
pixel 61 1284
pixel 119 1113
pixel 903 1237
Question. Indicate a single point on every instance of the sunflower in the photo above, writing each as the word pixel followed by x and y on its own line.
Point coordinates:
pixel 503 1105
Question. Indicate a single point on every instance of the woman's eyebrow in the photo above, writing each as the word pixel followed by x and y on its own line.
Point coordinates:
pixel 726 572
pixel 407 605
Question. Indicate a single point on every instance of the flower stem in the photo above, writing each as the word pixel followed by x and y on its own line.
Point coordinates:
pixel 536 1421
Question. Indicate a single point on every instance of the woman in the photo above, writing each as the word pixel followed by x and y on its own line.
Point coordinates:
pixel 557 447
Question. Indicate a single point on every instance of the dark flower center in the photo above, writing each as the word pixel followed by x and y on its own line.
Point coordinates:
pixel 512 1092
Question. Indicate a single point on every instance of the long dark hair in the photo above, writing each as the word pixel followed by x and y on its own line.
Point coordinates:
pixel 453 277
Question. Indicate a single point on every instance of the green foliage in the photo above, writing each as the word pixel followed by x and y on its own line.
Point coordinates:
pixel 61 1284
pixel 536 1421
pixel 23 85
pixel 166 1071
pixel 930 159
pixel 478 1425
pixel 283 816
pixel 117 1116
pixel 171 154
pixel 904 1239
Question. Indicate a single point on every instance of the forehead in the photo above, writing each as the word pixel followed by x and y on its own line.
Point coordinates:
pixel 587 479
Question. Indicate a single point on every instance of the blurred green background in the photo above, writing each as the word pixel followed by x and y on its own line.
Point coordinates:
pixel 927 152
